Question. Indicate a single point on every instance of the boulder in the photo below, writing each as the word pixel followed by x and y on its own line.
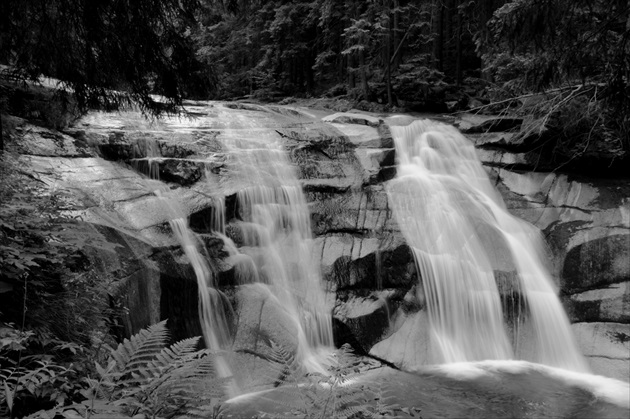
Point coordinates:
pixel 407 343
pixel 366 317
pixel 609 303
pixel 352 118
pixel 354 262
pixel 260 317
pixel 606 347
pixel 131 277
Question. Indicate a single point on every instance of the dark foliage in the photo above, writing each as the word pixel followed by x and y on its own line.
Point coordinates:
pixel 109 53
pixel 577 54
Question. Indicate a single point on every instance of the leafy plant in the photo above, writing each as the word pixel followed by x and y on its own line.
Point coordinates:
pixel 143 376
pixel 40 380
pixel 334 394
pixel 42 331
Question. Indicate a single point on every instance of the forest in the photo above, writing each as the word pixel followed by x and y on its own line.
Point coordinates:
pixel 563 65
pixel 551 60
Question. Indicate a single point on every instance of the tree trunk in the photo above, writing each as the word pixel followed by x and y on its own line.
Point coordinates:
pixel 363 72
pixel 487 8
pixel 396 59
pixel 388 50
pixel 351 72
pixel 458 50
pixel 438 43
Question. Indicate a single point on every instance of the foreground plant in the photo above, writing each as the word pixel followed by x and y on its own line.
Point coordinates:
pixel 145 377
pixel 338 393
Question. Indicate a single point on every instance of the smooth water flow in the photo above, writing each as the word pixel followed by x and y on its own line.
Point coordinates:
pixel 275 234
pixel 473 256
pixel 273 256
pixel 213 304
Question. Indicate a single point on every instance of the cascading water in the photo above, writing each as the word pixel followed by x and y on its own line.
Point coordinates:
pixel 212 303
pixel 460 230
pixel 275 242
pixel 276 238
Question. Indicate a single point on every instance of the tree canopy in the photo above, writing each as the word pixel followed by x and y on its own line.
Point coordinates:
pixel 429 55
pixel 108 53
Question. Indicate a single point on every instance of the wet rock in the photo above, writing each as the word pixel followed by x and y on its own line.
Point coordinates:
pixel 261 318
pixel 114 195
pixel 491 140
pixel 39 141
pixel 182 172
pixel 179 300
pixel 597 262
pixel 606 347
pixel 360 212
pixel 352 118
pixel 378 164
pixel 585 223
pixel 407 344
pixel 245 106
pixel 479 390
pixel 502 158
pixel 606 304
pixel 349 261
pixel 131 276
pixel 366 317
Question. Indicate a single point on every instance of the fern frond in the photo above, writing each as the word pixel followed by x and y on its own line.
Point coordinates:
pixel 284 363
pixel 176 353
pixel 135 353
pixel 144 376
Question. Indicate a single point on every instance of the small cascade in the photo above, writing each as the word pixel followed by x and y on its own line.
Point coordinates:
pixel 461 235
pixel 146 153
pixel 275 234
pixel 213 305
pixel 273 256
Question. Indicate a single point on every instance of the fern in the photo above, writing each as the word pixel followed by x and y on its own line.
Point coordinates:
pixel 331 395
pixel 284 362
pixel 316 395
pixel 134 353
pixel 145 377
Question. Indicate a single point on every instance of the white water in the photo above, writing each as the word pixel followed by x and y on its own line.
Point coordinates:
pixel 275 238
pixel 212 304
pixel 276 235
pixel 461 232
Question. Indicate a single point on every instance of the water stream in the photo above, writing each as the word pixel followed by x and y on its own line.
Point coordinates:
pixel 276 234
pixel 462 237
pixel 213 304
pixel 274 251
pixel 479 265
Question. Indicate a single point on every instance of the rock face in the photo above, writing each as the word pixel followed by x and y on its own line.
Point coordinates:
pixel 586 223
pixel 112 162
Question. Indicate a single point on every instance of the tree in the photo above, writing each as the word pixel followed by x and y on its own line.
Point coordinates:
pixel 578 51
pixel 108 53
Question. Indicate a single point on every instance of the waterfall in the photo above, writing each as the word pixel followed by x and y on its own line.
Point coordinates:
pixel 276 238
pixel 461 235
pixel 273 255
pixel 213 304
